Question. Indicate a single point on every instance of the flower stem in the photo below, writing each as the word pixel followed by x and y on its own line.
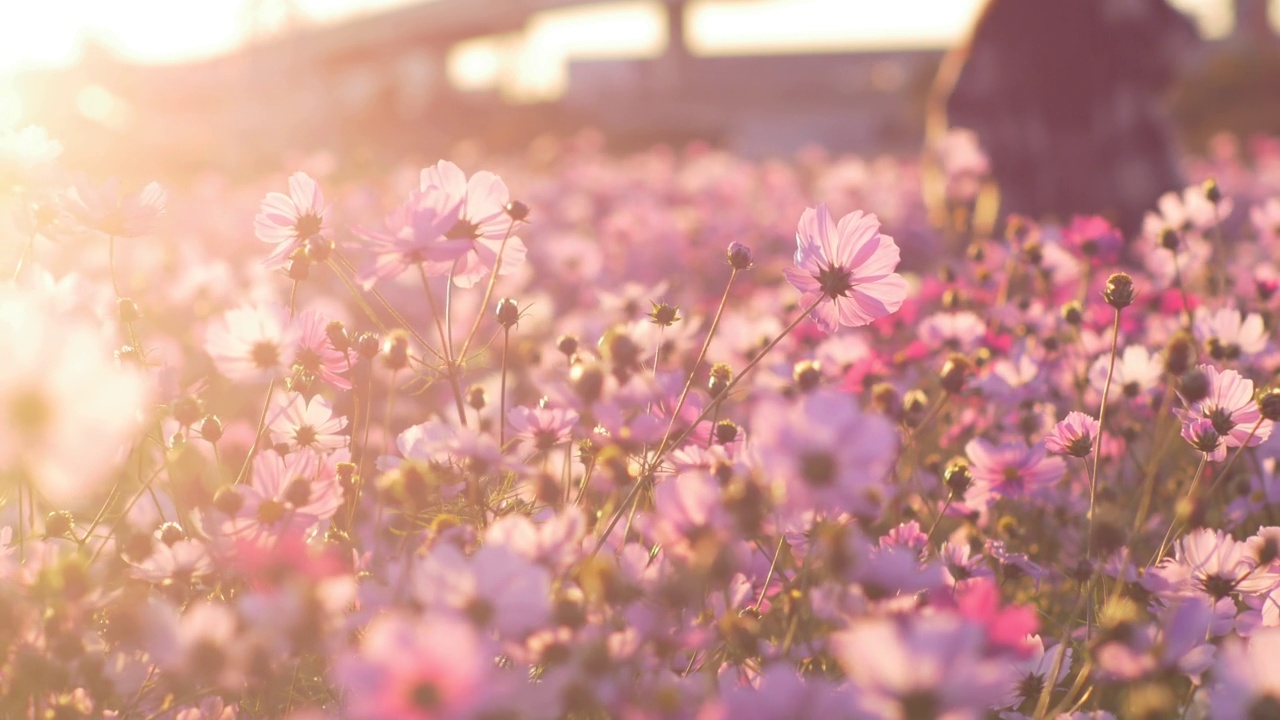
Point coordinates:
pixel 1097 442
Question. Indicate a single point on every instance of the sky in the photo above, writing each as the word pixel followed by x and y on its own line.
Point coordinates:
pixel 47 32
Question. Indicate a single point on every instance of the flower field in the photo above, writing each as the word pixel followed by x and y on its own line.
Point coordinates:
pixel 665 435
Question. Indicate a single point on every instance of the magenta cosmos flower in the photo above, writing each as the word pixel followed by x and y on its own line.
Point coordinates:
pixel 1074 435
pixel 849 262
pixel 1009 470
pixel 1230 407
pixel 288 221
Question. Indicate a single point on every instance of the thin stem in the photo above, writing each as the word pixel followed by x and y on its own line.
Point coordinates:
pixel 772 566
pixel 941 514
pixel 111 261
pixel 666 446
pixel 1097 442
pixel 706 344
pixel 450 366
pixel 502 392
pixel 24 257
pixel 1204 458
pixel 488 291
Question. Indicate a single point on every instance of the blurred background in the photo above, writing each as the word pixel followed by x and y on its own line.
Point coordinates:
pixel 142 87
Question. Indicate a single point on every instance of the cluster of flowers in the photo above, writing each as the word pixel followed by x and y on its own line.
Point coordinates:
pixel 625 450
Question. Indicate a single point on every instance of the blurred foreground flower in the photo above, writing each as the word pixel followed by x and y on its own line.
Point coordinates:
pixel 67 409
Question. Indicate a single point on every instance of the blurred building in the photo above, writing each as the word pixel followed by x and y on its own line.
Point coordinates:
pixel 376 87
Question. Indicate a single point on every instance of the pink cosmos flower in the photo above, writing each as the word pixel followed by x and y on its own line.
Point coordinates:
pixel 67 408
pixel 1094 237
pixel 805 447
pixel 252 343
pixel 494 588
pixel 415 234
pixel 308 424
pixel 178 563
pixel 287 496
pixel 108 211
pixel 314 352
pixel 933 666
pixel 482 222
pixel 432 668
pixel 542 428
pixel 1137 370
pixel 850 263
pixel 1230 407
pixel 288 221
pixel 1247 678
pixel 1009 470
pixel 1228 334
pixel 1211 564
pixel 1074 435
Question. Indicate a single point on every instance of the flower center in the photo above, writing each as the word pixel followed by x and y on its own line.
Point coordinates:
pixel 1222 421
pixel 270 511
pixel 307 226
pixel 425 696
pixel 30 412
pixel 304 435
pixel 265 355
pixel 308 359
pixel 1217 586
pixel 818 468
pixel 463 230
pixel 834 281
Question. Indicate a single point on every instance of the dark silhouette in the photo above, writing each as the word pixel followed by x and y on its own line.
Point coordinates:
pixel 1067 98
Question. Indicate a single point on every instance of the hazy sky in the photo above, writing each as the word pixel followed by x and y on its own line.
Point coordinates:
pixel 51 31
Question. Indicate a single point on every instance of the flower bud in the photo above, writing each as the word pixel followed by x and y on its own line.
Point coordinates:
pixel 1211 191
pixel 508 313
pixel 807 374
pixel 726 432
pixel 721 377
pixel 318 249
pixel 954 372
pixel 1193 386
pixel 567 345
pixel 740 256
pixel 663 314
pixel 128 310
pixel 1073 313
pixel 59 523
pixel 475 397
pixel 517 210
pixel 395 350
pixel 1180 353
pixel 186 410
pixel 885 400
pixel 957 477
pixel 1269 403
pixel 368 345
pixel 228 500
pixel 337 334
pixel 211 428
pixel 914 406
pixel 587 380
pixel 1119 292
